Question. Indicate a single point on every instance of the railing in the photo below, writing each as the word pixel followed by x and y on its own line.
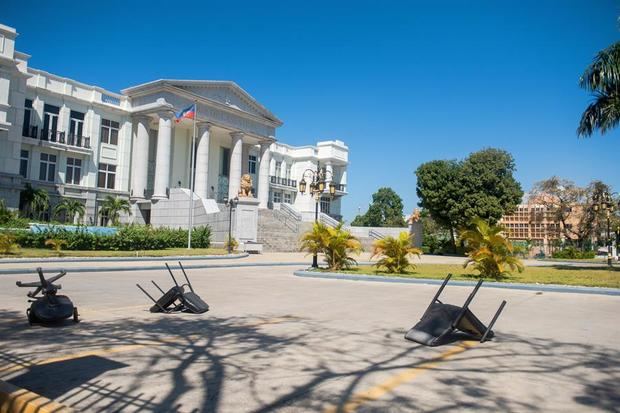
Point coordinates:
pixel 48 135
pixel 375 234
pixel 283 181
pixel 327 220
pixel 288 216
pixel 31 132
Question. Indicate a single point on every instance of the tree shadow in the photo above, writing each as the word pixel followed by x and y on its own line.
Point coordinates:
pixel 261 364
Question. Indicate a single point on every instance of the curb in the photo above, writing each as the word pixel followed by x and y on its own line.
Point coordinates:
pixel 19 271
pixel 124 259
pixel 510 286
pixel 14 399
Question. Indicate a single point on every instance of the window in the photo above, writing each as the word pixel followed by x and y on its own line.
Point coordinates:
pixel 1 43
pixel 47 167
pixel 23 163
pixel 252 164
pixel 76 128
pixel 288 198
pixel 277 197
pixel 107 176
pixel 50 122
pixel 74 171
pixel 225 162
pixel 27 125
pixel 278 169
pixel 288 171
pixel 325 204
pixel 109 131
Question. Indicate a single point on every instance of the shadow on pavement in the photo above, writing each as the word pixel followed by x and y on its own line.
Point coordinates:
pixel 289 363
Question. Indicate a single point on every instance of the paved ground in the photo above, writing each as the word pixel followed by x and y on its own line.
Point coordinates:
pixel 275 342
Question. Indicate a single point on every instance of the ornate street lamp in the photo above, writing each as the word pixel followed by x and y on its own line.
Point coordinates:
pixel 605 202
pixel 232 203
pixel 317 187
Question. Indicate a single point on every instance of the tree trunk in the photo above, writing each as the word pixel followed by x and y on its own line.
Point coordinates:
pixel 453 239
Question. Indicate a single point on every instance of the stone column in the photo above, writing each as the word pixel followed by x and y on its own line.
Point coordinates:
pixel 263 174
pixel 202 160
pixel 140 156
pixel 234 177
pixel 162 159
pixel 329 173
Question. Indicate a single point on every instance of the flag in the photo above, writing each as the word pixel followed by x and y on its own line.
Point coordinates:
pixel 187 113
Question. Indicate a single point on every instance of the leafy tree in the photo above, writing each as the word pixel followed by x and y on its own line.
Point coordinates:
pixel 602 79
pixel 572 206
pixel 490 253
pixel 395 253
pixel 386 210
pixel 456 192
pixel 70 208
pixel 35 200
pixel 112 208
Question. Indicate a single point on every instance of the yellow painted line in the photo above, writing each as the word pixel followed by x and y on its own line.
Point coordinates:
pixel 376 392
pixel 17 400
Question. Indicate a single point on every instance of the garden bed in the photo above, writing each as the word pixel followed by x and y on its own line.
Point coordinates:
pixel 44 253
pixel 557 274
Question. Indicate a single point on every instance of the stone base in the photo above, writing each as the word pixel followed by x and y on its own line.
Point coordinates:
pixel 245 223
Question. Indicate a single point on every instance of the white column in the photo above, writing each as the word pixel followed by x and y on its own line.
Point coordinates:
pixel 162 159
pixel 263 174
pixel 140 156
pixel 202 160
pixel 329 173
pixel 234 178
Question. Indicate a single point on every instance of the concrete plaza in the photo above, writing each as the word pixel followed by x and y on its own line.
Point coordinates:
pixel 276 342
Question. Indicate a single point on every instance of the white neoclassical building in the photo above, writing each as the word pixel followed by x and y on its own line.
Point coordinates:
pixel 84 142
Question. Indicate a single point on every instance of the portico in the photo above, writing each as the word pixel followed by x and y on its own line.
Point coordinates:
pixel 231 127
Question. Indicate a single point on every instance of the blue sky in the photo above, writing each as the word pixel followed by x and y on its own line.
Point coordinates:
pixel 401 83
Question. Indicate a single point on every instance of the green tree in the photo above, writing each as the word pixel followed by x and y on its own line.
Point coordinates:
pixel 395 253
pixel 482 185
pixel 602 79
pixel 112 207
pixel 70 208
pixel 490 253
pixel 35 200
pixel 386 210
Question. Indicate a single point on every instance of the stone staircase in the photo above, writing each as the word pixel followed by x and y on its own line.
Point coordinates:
pixel 280 231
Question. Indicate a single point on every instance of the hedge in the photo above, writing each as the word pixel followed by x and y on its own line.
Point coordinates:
pixel 573 253
pixel 128 238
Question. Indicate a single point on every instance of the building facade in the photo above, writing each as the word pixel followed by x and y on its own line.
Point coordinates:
pixel 84 142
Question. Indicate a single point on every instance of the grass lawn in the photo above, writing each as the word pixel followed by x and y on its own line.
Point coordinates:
pixel 557 274
pixel 44 253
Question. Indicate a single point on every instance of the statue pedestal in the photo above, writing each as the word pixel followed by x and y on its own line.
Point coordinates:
pixel 246 220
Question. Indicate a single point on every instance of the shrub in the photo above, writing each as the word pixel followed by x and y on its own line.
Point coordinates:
pixel 7 244
pixel 573 253
pixel 395 253
pixel 232 243
pixel 56 245
pixel 128 238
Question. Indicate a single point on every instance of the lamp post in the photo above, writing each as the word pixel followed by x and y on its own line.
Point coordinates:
pixel 316 188
pixel 605 202
pixel 231 203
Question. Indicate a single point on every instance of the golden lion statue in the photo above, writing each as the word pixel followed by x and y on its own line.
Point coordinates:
pixel 246 186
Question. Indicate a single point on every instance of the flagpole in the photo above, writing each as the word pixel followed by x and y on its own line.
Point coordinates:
pixel 191 179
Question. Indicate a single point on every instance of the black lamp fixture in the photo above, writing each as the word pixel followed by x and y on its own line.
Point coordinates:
pixel 316 188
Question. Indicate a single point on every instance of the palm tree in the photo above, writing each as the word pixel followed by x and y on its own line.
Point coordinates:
pixel 602 78
pixel 489 251
pixel 315 240
pixel 36 200
pixel 112 207
pixel 71 208
pixel 395 252
pixel 335 243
